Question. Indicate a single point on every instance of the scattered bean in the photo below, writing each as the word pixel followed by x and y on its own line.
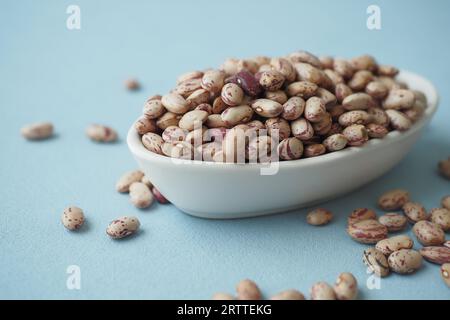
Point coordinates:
pixel 125 181
pixel 376 261
pixel 434 254
pixel 322 291
pixel 415 212
pixel 393 199
pixel 72 218
pixel 346 287
pixel 429 233
pixel 140 195
pixel 367 231
pixel 389 245
pixel 123 227
pixel 441 216
pixel 361 214
pixel 37 131
pixel 393 221
pixel 100 133
pixel 319 217
pixel 405 261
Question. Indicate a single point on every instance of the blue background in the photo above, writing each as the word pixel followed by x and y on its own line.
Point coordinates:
pixel 74 78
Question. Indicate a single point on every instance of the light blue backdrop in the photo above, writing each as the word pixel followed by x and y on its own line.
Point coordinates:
pixel 74 78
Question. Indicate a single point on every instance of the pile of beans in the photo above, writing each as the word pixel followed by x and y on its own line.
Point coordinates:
pixel 396 253
pixel 345 288
pixel 266 109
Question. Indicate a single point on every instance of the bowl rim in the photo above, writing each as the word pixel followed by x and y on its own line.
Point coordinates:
pixel 137 148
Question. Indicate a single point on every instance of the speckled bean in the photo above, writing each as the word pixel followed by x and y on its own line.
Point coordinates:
pixel 322 291
pixel 186 88
pixel 37 131
pixel 124 182
pixel 284 67
pixel 361 214
pixel 174 133
pixel 360 80
pixel 278 96
pixel 144 125
pixel 236 115
pixel 429 233
pixel 232 94
pixel 314 109
pixel 377 89
pixel 179 150
pixel 197 97
pixel 72 218
pixel 376 261
pixel 399 121
pixel 271 80
pixel 152 142
pixel 393 199
pixel 168 119
pixel 248 290
pixel 376 131
pixel 175 103
pixel 327 97
pixel 435 254
pixel 153 109
pixel 282 126
pixel 393 221
pixel 354 117
pixel 441 216
pixel 267 108
pixel 346 287
pixel 293 108
pixel 367 231
pixel 303 89
pixel 140 195
pixel 386 70
pixel 378 116
pixel 414 212
pixel 319 217
pixel 290 149
pixel 314 150
pixel 213 81
pixel 342 91
pixel 399 99
pixel 101 133
pixel 389 245
pixel 405 261
pixel 344 68
pixel 189 76
pixel 335 142
pixel 358 101
pixel 356 135
pixel 123 227
pixel 306 57
pixel 193 119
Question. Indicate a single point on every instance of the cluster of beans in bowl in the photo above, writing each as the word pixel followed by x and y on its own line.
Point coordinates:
pixel 285 108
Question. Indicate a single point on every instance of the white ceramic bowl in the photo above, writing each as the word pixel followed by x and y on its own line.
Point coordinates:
pixel 225 190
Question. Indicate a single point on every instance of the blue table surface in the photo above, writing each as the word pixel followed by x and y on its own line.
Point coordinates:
pixel 75 77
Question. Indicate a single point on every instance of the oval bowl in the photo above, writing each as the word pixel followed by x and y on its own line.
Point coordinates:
pixel 227 190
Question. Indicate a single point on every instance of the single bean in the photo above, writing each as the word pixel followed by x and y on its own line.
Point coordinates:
pixel 37 131
pixel 175 103
pixel 303 89
pixel 267 108
pixel 405 261
pixel 346 287
pixel 322 291
pixel 72 218
pixel 445 273
pixel 290 149
pixel 100 133
pixel 441 216
pixel 434 254
pixel 153 109
pixel 153 142
pixel 140 195
pixel 356 135
pixel 248 290
pixel 367 231
pixel 144 125
pixel 123 227
pixel 314 150
pixel 361 214
pixel 293 108
pixel 125 181
pixel 319 217
pixel 290 294
pixel 414 212
pixel 232 94
pixel 393 221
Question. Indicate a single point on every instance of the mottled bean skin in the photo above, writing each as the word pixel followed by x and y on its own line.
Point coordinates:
pixel 376 261
pixel 405 261
pixel 72 218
